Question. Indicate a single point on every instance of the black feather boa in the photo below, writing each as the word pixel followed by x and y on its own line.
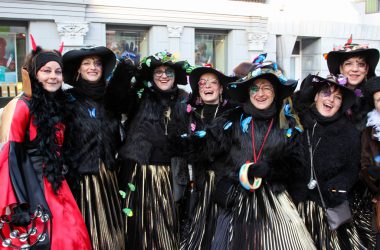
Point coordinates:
pixel 47 110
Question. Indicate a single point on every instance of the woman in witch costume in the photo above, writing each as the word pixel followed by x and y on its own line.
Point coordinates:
pixel 357 62
pixel 147 154
pixel 370 153
pixel 329 160
pixel 207 103
pixel 37 208
pixel 251 156
pixel 93 137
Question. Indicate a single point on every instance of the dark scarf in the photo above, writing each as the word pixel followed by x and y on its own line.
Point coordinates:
pixel 314 116
pixel 94 91
pixel 259 113
pixel 47 109
pixel 209 112
pixel 164 96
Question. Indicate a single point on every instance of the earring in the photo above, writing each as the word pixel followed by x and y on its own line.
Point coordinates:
pixel 220 98
pixel 77 78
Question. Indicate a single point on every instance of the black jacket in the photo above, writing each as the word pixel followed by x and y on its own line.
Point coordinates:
pixel 93 134
pixel 147 140
pixel 228 147
pixel 336 161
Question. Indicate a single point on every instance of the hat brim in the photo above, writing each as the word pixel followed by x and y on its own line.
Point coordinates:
pixel 196 74
pixel 239 91
pixel 336 58
pixel 373 85
pixel 73 59
pixel 146 73
pixel 348 94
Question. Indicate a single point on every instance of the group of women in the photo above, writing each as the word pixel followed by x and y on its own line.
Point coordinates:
pixel 243 162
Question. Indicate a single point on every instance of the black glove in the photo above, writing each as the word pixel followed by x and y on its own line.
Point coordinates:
pixel 225 193
pixel 124 72
pixel 374 172
pixel 20 217
pixel 305 96
pixel 260 169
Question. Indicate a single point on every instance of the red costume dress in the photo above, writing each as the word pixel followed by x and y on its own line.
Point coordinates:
pixel 57 222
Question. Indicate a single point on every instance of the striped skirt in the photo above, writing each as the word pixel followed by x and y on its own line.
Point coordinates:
pixel 154 223
pixel 99 203
pixel 261 220
pixel 199 233
pixel 345 237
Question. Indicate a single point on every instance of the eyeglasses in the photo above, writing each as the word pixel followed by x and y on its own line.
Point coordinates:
pixel 327 93
pixel 267 89
pixel 168 73
pixel 97 64
pixel 202 82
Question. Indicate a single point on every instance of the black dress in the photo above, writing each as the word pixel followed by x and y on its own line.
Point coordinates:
pixel 146 158
pixel 93 137
pixel 265 218
pixel 335 143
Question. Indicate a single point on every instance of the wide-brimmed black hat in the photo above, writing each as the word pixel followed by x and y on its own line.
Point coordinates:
pixel 339 81
pixel 373 85
pixel 198 72
pixel 340 54
pixel 73 59
pixel 267 70
pixel 149 63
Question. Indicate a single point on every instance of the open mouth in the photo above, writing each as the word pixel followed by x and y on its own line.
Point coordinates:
pixel 327 106
pixel 209 92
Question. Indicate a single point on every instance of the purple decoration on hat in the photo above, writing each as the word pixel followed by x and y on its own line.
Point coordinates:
pixel 342 80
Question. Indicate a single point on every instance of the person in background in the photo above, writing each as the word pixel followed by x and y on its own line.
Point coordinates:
pixel 37 208
pixel 370 171
pixel 93 138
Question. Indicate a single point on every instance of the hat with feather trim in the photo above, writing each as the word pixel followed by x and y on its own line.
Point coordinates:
pixel 339 54
pixel 264 70
pixel 149 63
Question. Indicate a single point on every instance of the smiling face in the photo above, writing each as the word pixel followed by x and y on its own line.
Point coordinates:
pixel 328 101
pixel 50 75
pixel 163 77
pixel 209 88
pixel 261 93
pixel 355 69
pixel 91 69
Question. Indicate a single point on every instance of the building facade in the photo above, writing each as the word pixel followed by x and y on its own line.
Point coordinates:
pixel 224 33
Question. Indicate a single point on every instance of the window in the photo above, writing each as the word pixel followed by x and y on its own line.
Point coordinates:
pixel 12 57
pixel 127 39
pixel 295 61
pixel 211 47
pixel 372 6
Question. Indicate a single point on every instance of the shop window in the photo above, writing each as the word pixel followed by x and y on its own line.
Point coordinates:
pixel 211 47
pixel 12 57
pixel 124 41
